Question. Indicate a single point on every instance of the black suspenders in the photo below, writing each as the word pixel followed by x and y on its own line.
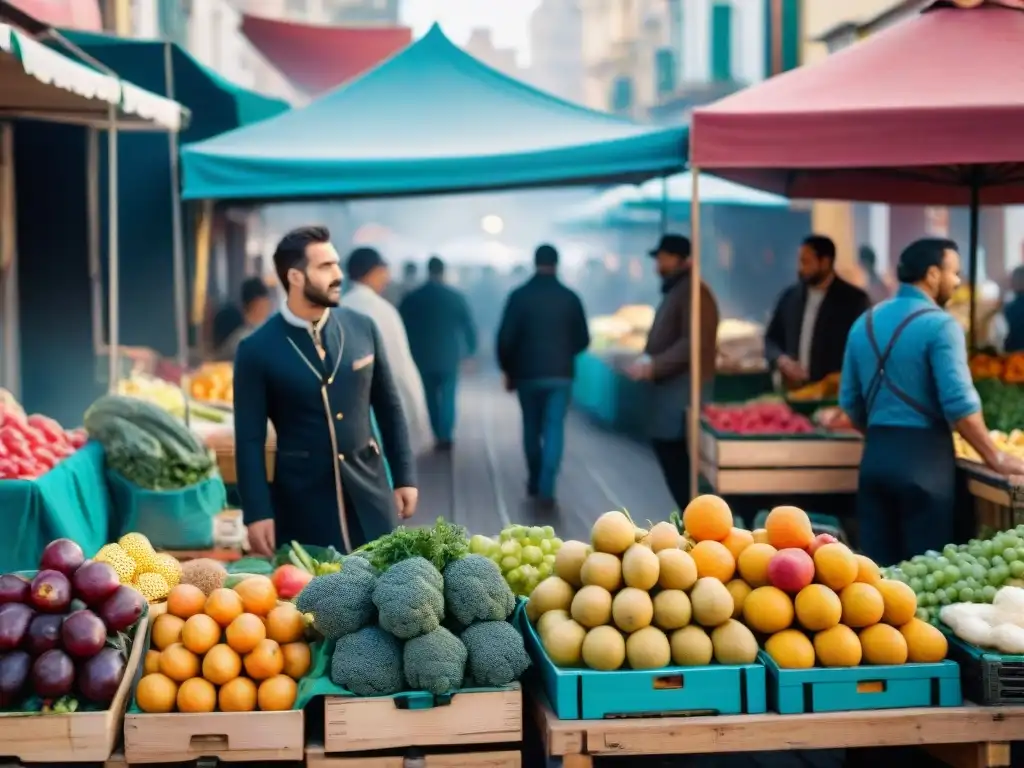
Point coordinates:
pixel 881 378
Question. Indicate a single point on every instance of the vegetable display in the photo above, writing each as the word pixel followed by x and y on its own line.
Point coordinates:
pixel 148 446
pixel 525 554
pixel 30 446
pixel 169 397
pixel 999 626
pixel 757 418
pixel 1002 403
pixel 439 545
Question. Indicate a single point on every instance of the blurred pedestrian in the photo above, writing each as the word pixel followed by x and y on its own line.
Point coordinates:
pixel 257 305
pixel 369 277
pixel 876 288
pixel 399 289
pixel 667 359
pixel 1006 329
pixel 441 335
pixel 543 329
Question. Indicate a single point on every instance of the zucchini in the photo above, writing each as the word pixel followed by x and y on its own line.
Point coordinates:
pixel 251 566
pixel 171 433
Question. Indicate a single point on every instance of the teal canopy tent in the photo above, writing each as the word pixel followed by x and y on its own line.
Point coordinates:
pixel 430 120
pixel 713 191
pixel 609 209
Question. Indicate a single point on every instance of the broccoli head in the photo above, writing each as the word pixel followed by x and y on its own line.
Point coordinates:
pixel 409 598
pixel 435 662
pixel 475 590
pixel 368 663
pixel 340 602
pixel 496 653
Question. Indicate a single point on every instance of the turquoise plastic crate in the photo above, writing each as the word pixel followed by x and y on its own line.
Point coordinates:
pixel 586 694
pixel 989 678
pixel 847 689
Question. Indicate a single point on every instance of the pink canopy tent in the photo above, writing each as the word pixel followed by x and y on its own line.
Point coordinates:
pixel 928 112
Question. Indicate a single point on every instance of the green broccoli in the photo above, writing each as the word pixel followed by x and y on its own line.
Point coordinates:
pixel 409 598
pixel 475 590
pixel 368 663
pixel 496 653
pixel 340 602
pixel 435 662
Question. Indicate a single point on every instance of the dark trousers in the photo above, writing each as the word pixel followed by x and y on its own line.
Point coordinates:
pixel 441 390
pixel 544 405
pixel 906 494
pixel 674 459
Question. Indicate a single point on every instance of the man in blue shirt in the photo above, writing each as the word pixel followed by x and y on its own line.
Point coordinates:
pixel 906 385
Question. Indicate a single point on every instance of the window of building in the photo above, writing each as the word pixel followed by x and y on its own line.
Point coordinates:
pixel 664 72
pixel 721 41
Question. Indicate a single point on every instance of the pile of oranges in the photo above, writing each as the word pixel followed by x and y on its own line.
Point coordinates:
pixel 237 650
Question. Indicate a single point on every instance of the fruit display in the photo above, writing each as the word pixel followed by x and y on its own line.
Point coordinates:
pixel 759 417
pixel 234 650
pixel 213 383
pixel 525 554
pixel 64 633
pixel 1002 404
pixel 997 626
pixel 432 617
pixel 30 446
pixel 1012 443
pixel 625 331
pixel 167 396
pixel 137 564
pixel 825 389
pixel 965 573
pixel 147 446
pixel 1007 368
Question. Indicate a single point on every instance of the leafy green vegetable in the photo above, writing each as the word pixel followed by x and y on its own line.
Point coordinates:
pixel 409 598
pixel 439 545
pixel 368 663
pixel 434 662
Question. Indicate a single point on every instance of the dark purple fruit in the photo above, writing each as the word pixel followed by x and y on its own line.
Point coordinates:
pixel 13 589
pixel 14 670
pixel 100 676
pixel 122 609
pixel 94 583
pixel 53 675
pixel 50 592
pixel 62 555
pixel 43 633
pixel 83 634
pixel 14 621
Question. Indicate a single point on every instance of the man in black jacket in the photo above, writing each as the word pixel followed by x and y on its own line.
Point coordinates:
pixel 807 334
pixel 543 329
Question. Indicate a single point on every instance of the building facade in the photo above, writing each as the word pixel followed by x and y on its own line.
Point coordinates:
pixel 482 46
pixel 340 12
pixel 556 48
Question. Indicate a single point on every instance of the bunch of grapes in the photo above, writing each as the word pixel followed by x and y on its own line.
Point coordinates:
pixel 968 573
pixel 525 554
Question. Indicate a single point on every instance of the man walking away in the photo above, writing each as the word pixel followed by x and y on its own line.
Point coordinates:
pixel 441 334
pixel 398 290
pixel 543 329
pixel 667 358
pixel 257 306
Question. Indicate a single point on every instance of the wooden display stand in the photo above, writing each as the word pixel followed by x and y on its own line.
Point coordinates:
pixel 998 500
pixel 802 465
pixel 226 462
pixel 963 737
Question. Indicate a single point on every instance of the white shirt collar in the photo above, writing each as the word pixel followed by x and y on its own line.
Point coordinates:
pixel 292 319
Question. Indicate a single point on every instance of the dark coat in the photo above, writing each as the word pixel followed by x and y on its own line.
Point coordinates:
pixel 280 377
pixel 842 305
pixel 543 329
pixel 439 326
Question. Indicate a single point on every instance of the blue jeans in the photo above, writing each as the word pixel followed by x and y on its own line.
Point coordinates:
pixel 544 404
pixel 440 389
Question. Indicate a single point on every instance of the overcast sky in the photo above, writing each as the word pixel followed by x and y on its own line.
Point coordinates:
pixel 508 19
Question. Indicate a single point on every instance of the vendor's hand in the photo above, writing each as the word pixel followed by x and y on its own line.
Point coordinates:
pixel 791 370
pixel 1010 465
pixel 640 370
pixel 261 538
pixel 406 500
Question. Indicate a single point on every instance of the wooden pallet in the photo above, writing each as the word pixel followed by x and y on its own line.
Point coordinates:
pixel 317 758
pixel 964 737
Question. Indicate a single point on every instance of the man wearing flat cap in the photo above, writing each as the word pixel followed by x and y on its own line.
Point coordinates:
pixel 667 358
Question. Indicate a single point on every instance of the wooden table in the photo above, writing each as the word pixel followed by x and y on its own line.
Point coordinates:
pixel 970 736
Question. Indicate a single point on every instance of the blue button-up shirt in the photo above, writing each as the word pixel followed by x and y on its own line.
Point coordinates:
pixel 928 364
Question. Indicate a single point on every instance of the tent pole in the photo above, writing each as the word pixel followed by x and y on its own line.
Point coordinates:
pixel 113 256
pixel 972 262
pixel 693 422
pixel 664 206
pixel 177 238
pixel 92 197
pixel 10 339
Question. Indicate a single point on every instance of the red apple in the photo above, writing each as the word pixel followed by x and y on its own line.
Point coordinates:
pixel 821 540
pixel 289 581
pixel 791 570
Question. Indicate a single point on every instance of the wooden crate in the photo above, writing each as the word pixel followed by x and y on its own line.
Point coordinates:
pixel 355 724
pixel 81 737
pixel 226 736
pixel 998 500
pixel 317 758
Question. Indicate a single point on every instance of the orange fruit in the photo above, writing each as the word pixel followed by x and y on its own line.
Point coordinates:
pixel 185 601
pixel 835 566
pixel 768 610
pixel 258 595
pixel 925 643
pixel 738 540
pixel 818 607
pixel 221 665
pixel 862 605
pixel 760 535
pixel 297 659
pixel 867 571
pixel 789 527
pixel 707 518
pixel 197 695
pixel 152 662
pixel 265 660
pixel 713 559
pixel 838 646
pixel 245 632
pixel 753 563
pixel 200 633
pixel 899 600
pixel 285 624
pixel 790 649
pixel 224 606
pixel 277 693
pixel 238 695
pixel 179 663
pixel 883 644
pixel 166 631
pixel 156 693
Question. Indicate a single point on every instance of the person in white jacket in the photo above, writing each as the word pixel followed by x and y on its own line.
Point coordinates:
pixel 368 277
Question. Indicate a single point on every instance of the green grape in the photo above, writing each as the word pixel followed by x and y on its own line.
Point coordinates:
pixel 549 559
pixel 537 533
pixel 512 548
pixel 509 562
pixel 556 544
pixel 549 532
pixel 1017 569
pixel 1010 554
pixel 532 555
pixel 988 593
pixel 545 546
pixel 520 532
pixel 545 570
pixel 952 574
pixel 481 545
pixel 505 535
pixel 966 595
pixel 922 614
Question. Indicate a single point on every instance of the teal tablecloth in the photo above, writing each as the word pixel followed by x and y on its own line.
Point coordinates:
pixel 70 501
